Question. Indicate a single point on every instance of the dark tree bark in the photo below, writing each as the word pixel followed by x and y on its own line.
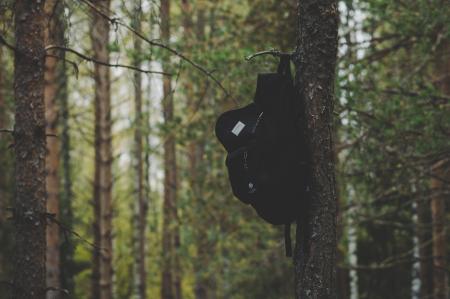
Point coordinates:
pixel 171 272
pixel 29 144
pixel 102 258
pixel 141 201
pixel 315 60
pixel 52 84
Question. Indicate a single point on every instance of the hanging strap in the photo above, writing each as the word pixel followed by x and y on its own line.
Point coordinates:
pixel 284 67
pixel 287 239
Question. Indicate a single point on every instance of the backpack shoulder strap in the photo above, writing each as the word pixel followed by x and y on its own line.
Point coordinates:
pixel 284 67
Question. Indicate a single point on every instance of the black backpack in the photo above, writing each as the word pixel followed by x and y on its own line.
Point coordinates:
pixel 266 158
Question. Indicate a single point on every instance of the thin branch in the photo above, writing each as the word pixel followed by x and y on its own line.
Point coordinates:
pixel 52 218
pixel 91 59
pixel 272 52
pixel 6 131
pixel 72 63
pixel 8 45
pixel 116 22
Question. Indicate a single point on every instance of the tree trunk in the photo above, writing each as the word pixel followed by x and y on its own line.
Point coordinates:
pixel 171 272
pixel 29 141
pixel 102 263
pixel 66 213
pixel 52 22
pixel 440 172
pixel 439 185
pixel 315 60
pixel 3 148
pixel 141 202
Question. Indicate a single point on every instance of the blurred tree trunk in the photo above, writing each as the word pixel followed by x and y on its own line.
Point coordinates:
pixel 440 172
pixel 141 201
pixel 315 59
pixel 29 140
pixel 3 165
pixel 66 213
pixel 171 271
pixel 439 185
pixel 52 84
pixel 67 264
pixel 425 250
pixel 102 263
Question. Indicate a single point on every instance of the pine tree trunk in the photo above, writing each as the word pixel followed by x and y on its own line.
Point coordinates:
pixel 440 172
pixel 3 165
pixel 171 272
pixel 315 59
pixel 30 147
pixel 141 202
pixel 102 263
pixel 52 12
pixel 66 213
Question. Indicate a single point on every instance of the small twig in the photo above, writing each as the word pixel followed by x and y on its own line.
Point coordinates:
pixel 6 131
pixel 72 63
pixel 91 59
pixel 272 52
pixel 52 218
pixel 8 45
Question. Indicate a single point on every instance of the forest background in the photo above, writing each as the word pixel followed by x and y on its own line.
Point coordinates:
pixel 172 224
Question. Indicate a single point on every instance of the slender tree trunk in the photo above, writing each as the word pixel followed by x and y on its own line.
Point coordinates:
pixel 171 272
pixel 315 59
pixel 203 285
pixel 440 172
pixel 3 165
pixel 141 202
pixel 102 263
pixel 439 185
pixel 29 141
pixel 66 213
pixel 52 85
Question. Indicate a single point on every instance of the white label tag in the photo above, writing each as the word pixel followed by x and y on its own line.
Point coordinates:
pixel 238 128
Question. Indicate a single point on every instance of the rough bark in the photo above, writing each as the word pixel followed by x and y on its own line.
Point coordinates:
pixel 141 201
pixel 52 22
pixel 29 144
pixel 102 258
pixel 315 60
pixel 171 272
